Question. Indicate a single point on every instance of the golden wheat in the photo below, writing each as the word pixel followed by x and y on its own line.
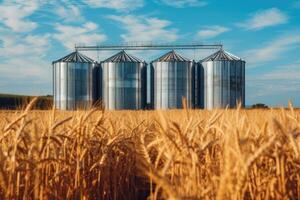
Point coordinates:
pixel 177 154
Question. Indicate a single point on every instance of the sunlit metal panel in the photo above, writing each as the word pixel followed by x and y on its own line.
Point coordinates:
pixel 172 81
pixel 73 82
pixel 223 80
pixel 124 82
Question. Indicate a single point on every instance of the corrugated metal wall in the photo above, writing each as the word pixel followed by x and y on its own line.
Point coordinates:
pixel 223 84
pixel 172 82
pixel 72 85
pixel 124 85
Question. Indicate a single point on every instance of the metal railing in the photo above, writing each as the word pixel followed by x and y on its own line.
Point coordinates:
pixel 150 46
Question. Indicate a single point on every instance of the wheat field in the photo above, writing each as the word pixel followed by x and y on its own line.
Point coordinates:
pixel 177 154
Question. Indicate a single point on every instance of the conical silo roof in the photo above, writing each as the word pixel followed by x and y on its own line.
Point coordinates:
pixel 75 57
pixel 172 56
pixel 221 55
pixel 122 56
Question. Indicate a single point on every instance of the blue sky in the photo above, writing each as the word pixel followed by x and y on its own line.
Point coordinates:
pixel 265 33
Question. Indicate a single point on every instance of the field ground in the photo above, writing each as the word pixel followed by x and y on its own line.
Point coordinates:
pixel 179 154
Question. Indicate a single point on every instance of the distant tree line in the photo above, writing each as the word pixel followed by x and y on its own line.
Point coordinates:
pixel 11 102
pixel 259 105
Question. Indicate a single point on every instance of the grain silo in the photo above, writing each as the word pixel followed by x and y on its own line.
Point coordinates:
pixel 124 84
pixel 172 81
pixel 221 81
pixel 72 82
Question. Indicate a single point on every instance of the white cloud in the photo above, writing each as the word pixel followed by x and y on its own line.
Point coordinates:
pixel 15 46
pixel 286 73
pixel 69 13
pixel 25 67
pixel 13 14
pixel 86 34
pixel 212 31
pixel 184 3
pixel 265 18
pixel 23 63
pixel 272 92
pixel 274 50
pixel 281 81
pixel 26 75
pixel 116 4
pixel 143 29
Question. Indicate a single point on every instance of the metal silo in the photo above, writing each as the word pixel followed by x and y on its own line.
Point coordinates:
pixel 124 84
pixel 220 81
pixel 172 81
pixel 72 82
